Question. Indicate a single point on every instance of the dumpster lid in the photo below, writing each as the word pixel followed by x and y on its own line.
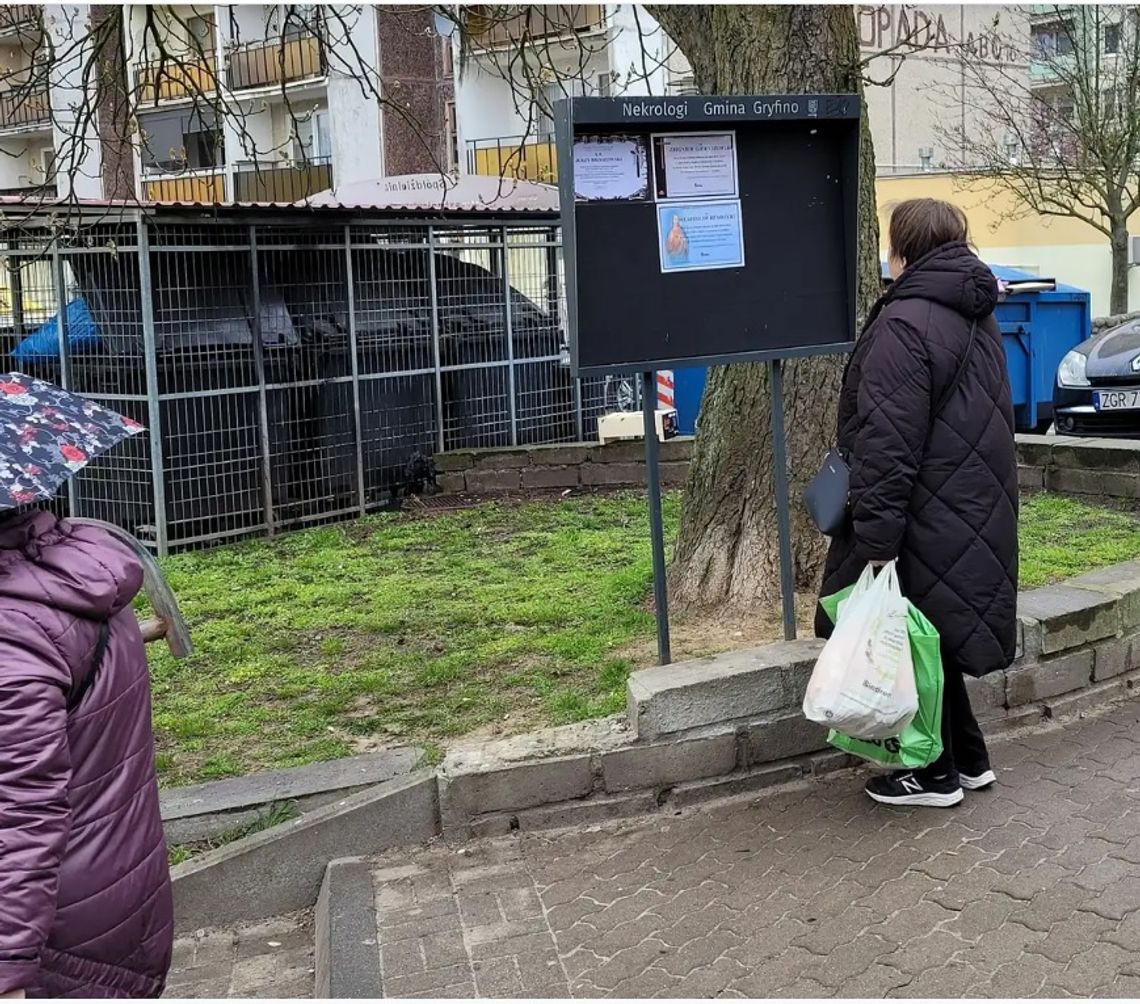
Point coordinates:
pixel 1015 280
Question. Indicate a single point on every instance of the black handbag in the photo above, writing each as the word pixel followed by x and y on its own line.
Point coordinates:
pixel 828 495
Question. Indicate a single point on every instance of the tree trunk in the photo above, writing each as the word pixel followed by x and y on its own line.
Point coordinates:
pixel 727 550
pixel 1118 303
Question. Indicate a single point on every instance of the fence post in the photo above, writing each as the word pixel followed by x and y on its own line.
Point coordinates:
pixel 513 406
pixel 154 416
pixel 262 399
pixel 439 440
pixel 65 379
pixel 355 362
pixel 16 289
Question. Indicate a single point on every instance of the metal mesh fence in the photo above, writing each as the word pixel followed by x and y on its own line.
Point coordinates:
pixel 293 373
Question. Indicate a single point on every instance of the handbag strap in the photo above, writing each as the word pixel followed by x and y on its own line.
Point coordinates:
pixel 954 384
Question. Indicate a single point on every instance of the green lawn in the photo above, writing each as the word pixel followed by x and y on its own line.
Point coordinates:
pixel 394 630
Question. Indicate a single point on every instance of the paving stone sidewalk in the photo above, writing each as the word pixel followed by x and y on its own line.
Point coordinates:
pixel 1031 889
pixel 273 960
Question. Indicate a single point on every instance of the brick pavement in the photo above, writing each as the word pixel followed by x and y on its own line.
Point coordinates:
pixel 274 960
pixel 1030 889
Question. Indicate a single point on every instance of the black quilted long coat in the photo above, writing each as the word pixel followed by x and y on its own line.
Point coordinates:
pixel 939 491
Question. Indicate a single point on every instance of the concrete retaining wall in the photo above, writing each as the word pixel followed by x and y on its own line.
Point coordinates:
pixel 1078 466
pixel 1104 467
pixel 579 465
pixel 733 724
pixel 1100 324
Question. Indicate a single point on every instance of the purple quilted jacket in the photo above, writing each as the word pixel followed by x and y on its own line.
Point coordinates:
pixel 85 902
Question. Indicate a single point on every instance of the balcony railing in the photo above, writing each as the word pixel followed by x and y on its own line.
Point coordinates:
pixel 524 158
pixel 176 77
pixel 264 64
pixel 20 19
pixel 290 183
pixel 25 106
pixel 31 192
pixel 492 25
pixel 208 187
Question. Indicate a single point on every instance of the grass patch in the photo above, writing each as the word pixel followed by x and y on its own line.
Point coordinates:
pixel 390 630
pixel 1061 538
pixel 396 630
pixel 275 815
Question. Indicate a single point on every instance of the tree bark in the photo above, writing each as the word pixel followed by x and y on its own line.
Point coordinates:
pixel 727 549
pixel 1118 301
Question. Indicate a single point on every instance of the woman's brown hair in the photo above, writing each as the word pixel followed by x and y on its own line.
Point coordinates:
pixel 918 226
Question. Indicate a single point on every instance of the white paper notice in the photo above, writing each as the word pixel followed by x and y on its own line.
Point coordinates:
pixel 610 169
pixel 699 165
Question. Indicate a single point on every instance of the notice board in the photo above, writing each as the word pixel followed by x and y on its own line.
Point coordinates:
pixel 703 230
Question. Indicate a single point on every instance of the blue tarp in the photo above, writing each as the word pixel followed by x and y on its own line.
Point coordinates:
pixel 42 345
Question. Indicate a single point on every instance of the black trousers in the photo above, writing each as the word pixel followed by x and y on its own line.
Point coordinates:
pixel 963 746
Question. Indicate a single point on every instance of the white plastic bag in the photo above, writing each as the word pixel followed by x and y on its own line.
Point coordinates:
pixel 863 682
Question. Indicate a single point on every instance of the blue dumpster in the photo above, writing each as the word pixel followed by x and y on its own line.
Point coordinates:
pixel 1038 326
pixel 1039 329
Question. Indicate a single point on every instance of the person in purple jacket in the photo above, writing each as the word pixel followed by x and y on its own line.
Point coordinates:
pixel 85 897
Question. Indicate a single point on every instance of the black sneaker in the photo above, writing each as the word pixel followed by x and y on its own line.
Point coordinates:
pixel 977 778
pixel 909 788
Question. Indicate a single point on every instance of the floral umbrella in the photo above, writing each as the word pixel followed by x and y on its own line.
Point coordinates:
pixel 47 435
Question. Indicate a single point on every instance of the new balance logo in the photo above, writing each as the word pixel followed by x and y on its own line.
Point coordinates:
pixel 911 784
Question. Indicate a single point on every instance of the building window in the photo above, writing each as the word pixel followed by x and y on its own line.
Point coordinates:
pixel 1112 38
pixel 452 127
pixel 189 140
pixel 1051 41
pixel 448 58
pixel 201 34
pixel 47 164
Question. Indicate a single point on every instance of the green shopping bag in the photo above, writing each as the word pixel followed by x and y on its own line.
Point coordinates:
pixel 920 743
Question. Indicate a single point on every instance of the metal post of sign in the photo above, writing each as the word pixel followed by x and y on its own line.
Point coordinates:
pixel 656 526
pixel 783 506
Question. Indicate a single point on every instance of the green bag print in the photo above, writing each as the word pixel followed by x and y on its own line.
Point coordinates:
pixel 920 743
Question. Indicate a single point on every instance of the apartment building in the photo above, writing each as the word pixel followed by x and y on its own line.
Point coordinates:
pixel 619 49
pixel 520 63
pixel 241 102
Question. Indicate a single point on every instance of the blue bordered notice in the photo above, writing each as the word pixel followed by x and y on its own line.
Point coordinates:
pixel 700 235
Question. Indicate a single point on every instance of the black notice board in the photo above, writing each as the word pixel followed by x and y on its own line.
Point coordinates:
pixel 795 211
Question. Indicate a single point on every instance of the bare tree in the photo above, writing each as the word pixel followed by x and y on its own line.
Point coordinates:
pixel 1063 134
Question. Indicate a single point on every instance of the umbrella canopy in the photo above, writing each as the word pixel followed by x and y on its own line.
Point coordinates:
pixel 47 435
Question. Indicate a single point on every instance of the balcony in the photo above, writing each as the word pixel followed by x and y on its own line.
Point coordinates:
pixel 175 78
pixel 287 184
pixel 23 19
pixel 26 106
pixel 208 187
pixel 495 25
pixel 262 64
pixel 520 157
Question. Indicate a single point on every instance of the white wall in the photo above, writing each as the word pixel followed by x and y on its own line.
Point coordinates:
pixel 633 32
pixel 355 116
pixel 20 160
pixel 79 155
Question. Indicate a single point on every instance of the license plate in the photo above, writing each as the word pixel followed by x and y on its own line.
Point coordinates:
pixel 1117 400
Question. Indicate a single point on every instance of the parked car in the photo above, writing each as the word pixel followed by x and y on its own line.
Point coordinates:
pixel 1098 385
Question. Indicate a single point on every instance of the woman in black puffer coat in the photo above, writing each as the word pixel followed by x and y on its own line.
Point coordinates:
pixel 937 492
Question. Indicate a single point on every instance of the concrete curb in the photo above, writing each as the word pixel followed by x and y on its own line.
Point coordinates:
pixel 347 956
pixel 280 870
pixel 203 811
